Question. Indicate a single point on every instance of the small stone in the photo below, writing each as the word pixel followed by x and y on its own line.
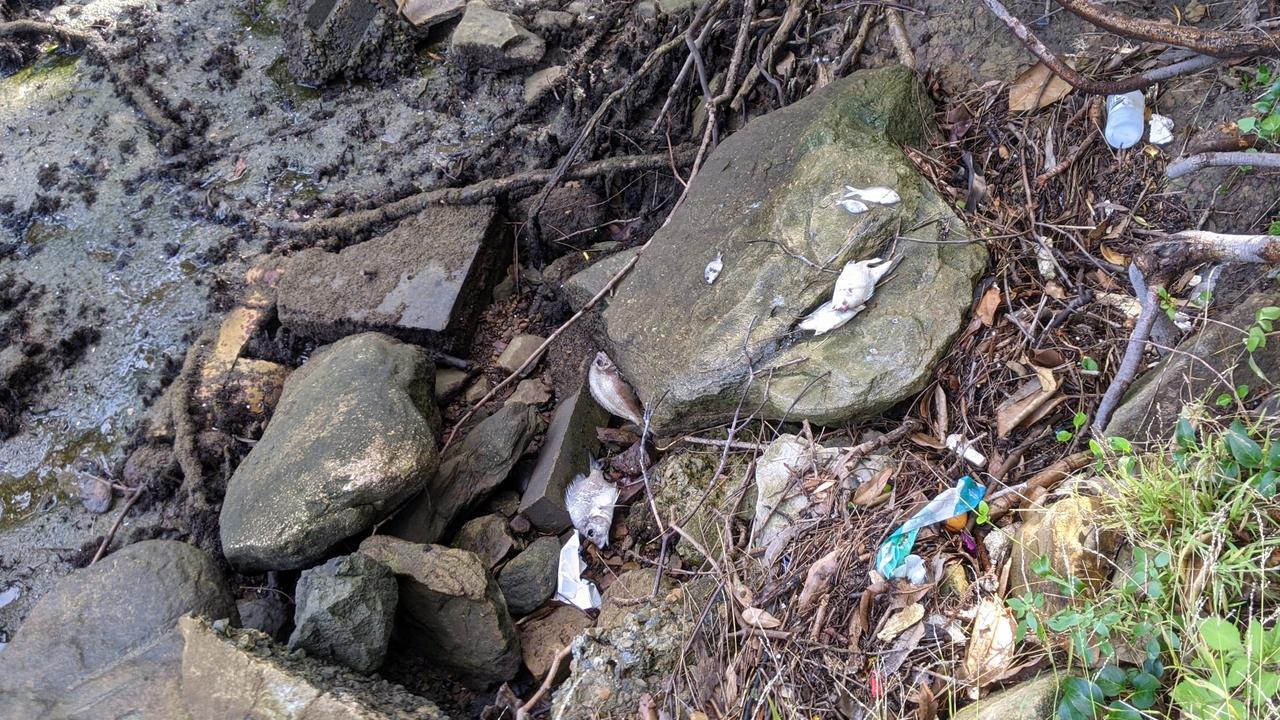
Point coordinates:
pixel 1033 699
pixel 326 39
pixel 565 453
pixel 955 581
pixel 553 20
pixel 478 390
pixel 529 580
pixel 587 283
pixel 344 613
pixel 543 81
pixel 531 392
pixel 95 494
pixel 449 382
pixel 543 638
pixel 267 615
pixel 520 525
pixel 518 351
pixel 505 503
pixel 488 537
pixel 492 39
pixel 425 13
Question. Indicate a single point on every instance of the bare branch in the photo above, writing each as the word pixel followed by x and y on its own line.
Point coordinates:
pixel 1195 163
pixel 1218 43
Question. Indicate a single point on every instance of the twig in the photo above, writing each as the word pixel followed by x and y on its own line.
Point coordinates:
pixel 852 52
pixel 1218 43
pixel 679 81
pixel 792 15
pixel 1132 359
pixel 345 227
pixel 898 33
pixel 102 548
pixel 35 28
pixel 1195 163
pixel 707 97
pixel 525 710
pixel 734 444
pixel 1095 109
pixel 1089 85
pixel 739 52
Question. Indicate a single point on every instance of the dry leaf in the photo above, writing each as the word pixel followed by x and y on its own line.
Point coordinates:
pixel 819 577
pixel 893 659
pixel 872 491
pixel 1020 406
pixel 1112 256
pixel 905 618
pixel 647 708
pixel 1036 88
pixel 759 618
pixel 860 621
pixel 988 305
pixel 928 441
pixel 990 652
pixel 1194 12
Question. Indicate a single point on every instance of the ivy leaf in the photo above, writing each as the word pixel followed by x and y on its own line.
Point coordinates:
pixel 1120 711
pixel 1247 125
pixel 1111 681
pixel 1266 484
pixel 1242 447
pixel 1185 434
pixel 1079 697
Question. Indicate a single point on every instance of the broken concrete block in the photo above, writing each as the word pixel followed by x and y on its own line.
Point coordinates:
pixel 492 39
pixel 570 440
pixel 426 281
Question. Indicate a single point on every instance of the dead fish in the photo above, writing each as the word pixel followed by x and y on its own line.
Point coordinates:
pixel 713 268
pixel 855 207
pixel 611 391
pixel 590 499
pixel 826 318
pixel 878 195
pixel 857 282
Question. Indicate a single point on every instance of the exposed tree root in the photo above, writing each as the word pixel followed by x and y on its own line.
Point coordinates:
pixel 1195 163
pixel 1218 43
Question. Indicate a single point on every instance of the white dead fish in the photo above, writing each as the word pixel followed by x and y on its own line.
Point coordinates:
pixel 857 282
pixel 611 391
pixel 878 195
pixel 853 206
pixel 713 268
pixel 826 318
pixel 590 499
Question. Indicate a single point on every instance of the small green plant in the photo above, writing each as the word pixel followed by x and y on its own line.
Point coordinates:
pixel 1274 227
pixel 1077 421
pixel 1256 337
pixel 1230 677
pixel 1266 123
pixel 1168 303
pixel 1114 693
pixel 983 514
pixel 1089 365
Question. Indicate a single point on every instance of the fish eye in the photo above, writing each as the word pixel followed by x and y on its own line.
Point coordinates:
pixel 591 533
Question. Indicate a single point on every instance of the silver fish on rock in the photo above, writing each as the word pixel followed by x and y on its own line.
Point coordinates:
pixel 590 500
pixel 611 391
pixel 713 269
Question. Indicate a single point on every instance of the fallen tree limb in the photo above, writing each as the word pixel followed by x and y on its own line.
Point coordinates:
pixel 1195 163
pixel 1089 85
pixel 791 16
pixel 347 227
pixel 1218 43
pixel 1131 361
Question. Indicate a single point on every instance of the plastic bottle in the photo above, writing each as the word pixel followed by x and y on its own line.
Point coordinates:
pixel 1126 117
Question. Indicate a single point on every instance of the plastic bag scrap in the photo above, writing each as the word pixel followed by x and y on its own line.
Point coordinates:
pixel 570 587
pixel 894 558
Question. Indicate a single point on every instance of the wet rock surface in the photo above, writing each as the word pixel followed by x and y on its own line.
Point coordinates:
pixel 451 611
pixel 354 436
pixel 231 674
pixel 104 641
pixel 470 470
pixel 328 39
pixel 345 609
pixel 426 280
pixel 1034 699
pixel 529 579
pixel 677 338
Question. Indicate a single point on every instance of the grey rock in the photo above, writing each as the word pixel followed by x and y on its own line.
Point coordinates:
pixel 268 615
pixel 677 338
pixel 570 440
pixel 553 20
pixel 780 503
pixel 542 638
pixel 1034 699
pixel 680 484
pixel 584 285
pixel 505 503
pixel 451 611
pixel 477 390
pixel 531 392
pixel 627 589
pixel 543 81
pixel 449 382
pixel 518 351
pixel 674 7
pixel 345 610
pixel 488 536
pixel 425 13
pixel 326 39
pixel 492 39
pixel 1194 373
pixel 426 281
pixel 354 436
pixel 104 642
pixel 529 580
pixel 469 471
pixel 230 674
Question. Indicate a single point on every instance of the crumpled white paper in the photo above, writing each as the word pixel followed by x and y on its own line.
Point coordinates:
pixel 1161 129
pixel 570 587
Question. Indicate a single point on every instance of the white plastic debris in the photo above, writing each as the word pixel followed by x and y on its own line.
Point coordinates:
pixel 713 269
pixel 1125 115
pixel 1161 129
pixel 1044 258
pixel 912 569
pixel 958 445
pixel 878 195
pixel 570 587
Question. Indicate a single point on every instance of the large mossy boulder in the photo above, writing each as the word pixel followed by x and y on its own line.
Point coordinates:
pixel 354 436
pixel 766 202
